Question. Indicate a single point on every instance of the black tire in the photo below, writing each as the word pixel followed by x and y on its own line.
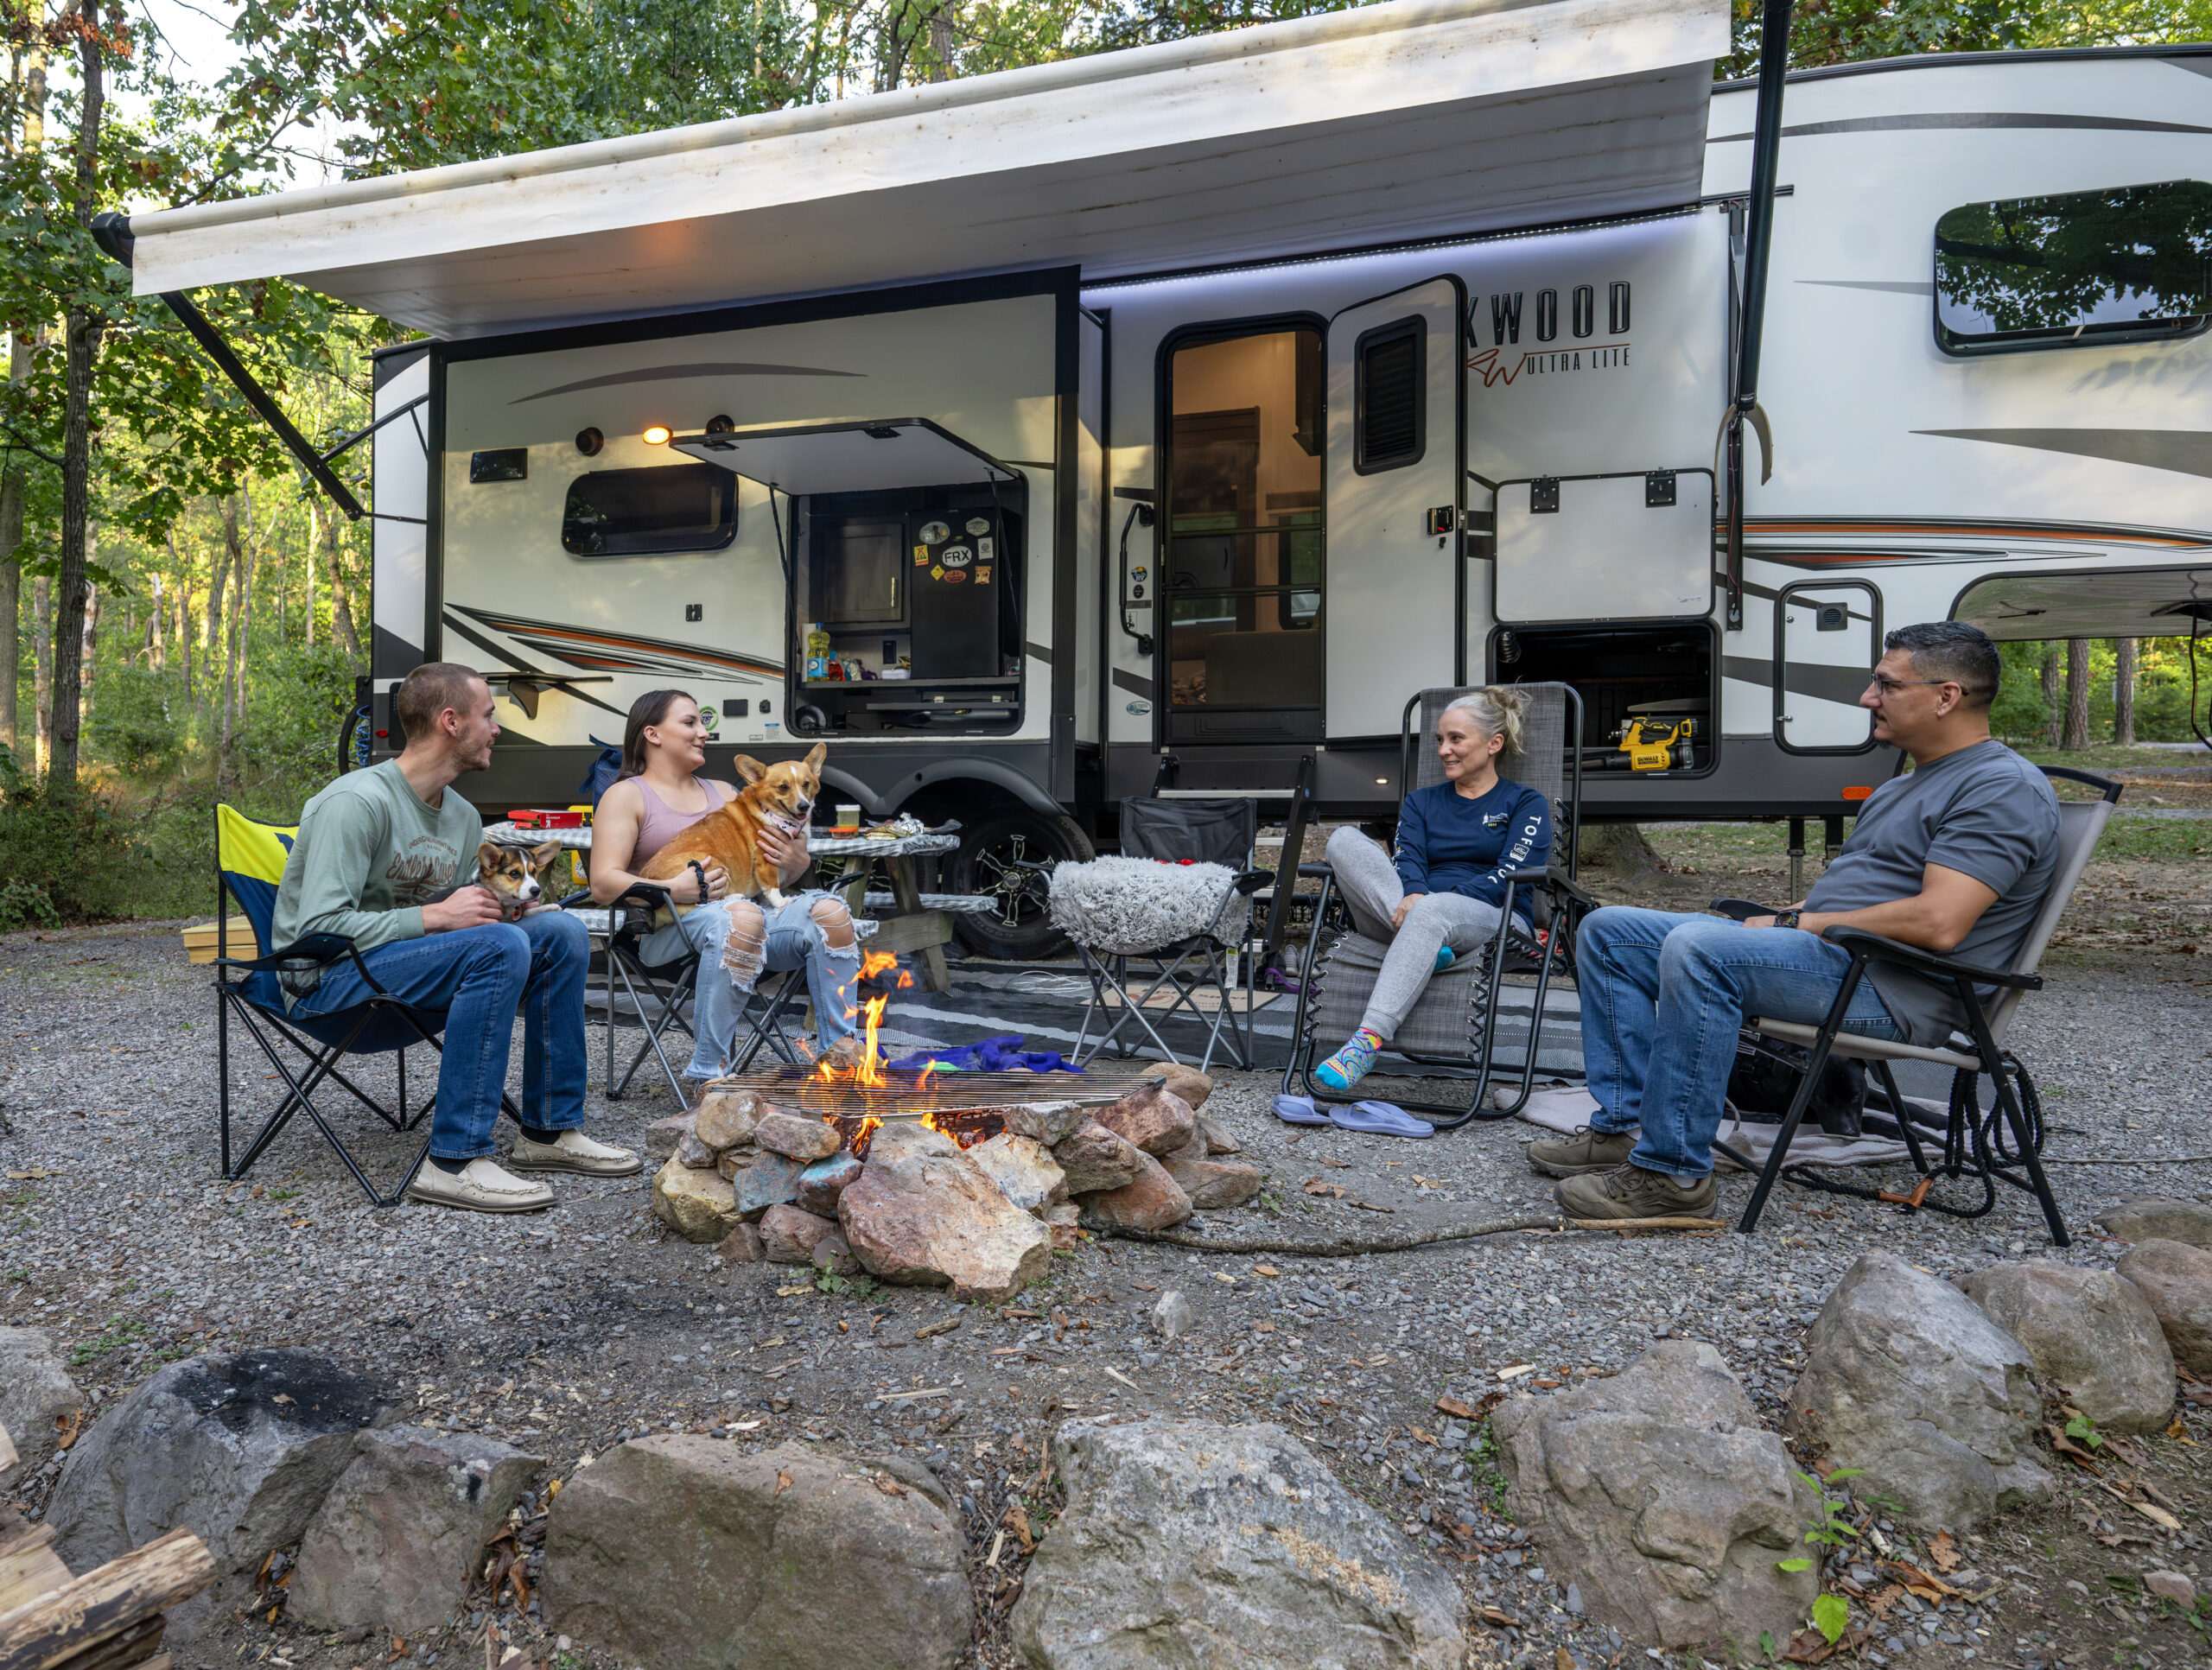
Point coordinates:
pixel 1018 931
pixel 353 741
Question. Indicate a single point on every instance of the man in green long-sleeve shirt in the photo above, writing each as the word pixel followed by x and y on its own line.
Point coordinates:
pixel 387 857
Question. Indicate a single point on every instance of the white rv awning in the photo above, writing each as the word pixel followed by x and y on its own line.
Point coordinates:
pixel 1411 119
pixel 826 458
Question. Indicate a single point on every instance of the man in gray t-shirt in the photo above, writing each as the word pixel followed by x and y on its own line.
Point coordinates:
pixel 1954 857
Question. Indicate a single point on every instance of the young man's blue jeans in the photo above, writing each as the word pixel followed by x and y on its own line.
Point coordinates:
pixel 1663 997
pixel 477 976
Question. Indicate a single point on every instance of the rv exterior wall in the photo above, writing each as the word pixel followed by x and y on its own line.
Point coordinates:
pixel 400 467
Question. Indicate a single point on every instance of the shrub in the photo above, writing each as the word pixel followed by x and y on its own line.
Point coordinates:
pixel 68 853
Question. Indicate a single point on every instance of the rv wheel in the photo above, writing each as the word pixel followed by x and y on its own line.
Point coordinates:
pixel 994 859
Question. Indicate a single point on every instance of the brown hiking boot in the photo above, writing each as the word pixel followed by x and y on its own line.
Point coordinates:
pixel 1586 1151
pixel 1631 1191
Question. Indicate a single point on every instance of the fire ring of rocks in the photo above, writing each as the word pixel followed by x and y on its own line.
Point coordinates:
pixel 969 1180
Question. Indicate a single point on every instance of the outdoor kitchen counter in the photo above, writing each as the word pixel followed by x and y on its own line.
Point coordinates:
pixel 915 922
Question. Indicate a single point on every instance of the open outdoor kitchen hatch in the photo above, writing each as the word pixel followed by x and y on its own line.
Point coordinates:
pixel 903 543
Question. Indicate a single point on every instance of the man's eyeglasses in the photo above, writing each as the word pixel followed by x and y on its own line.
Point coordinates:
pixel 1891 686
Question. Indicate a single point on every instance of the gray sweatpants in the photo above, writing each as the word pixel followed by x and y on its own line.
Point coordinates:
pixel 1368 882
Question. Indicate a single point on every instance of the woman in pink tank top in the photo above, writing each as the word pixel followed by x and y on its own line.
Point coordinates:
pixel 660 794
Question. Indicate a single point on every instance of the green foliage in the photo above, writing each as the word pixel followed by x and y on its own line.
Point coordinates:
pixel 66 852
pixel 1801 1564
pixel 1831 1616
pixel 2082 1430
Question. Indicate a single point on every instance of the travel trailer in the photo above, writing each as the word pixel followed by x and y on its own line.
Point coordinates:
pixel 1172 416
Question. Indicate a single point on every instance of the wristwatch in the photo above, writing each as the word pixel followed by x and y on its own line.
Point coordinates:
pixel 1787 918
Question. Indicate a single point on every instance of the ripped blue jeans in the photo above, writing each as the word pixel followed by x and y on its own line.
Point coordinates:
pixel 739 940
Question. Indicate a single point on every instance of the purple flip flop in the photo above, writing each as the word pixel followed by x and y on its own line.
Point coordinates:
pixel 1300 1110
pixel 1380 1119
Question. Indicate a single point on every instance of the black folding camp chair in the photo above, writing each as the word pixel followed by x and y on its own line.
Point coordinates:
pixel 250 859
pixel 1172 829
pixel 658 993
pixel 1455 1023
pixel 2001 1145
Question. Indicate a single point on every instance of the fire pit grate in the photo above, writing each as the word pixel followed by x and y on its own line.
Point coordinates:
pixel 914 1095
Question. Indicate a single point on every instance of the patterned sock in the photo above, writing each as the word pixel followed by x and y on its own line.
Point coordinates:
pixel 1444 958
pixel 1349 1066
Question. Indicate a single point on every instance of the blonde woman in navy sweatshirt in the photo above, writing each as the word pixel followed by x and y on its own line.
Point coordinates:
pixel 1441 896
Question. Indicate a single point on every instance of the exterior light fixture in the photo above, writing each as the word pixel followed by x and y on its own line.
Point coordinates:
pixel 657 434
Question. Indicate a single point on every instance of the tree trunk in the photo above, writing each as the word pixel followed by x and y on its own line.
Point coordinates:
pixel 315 540
pixel 1620 848
pixel 2077 732
pixel 12 482
pixel 211 640
pixel 84 326
pixel 341 608
pixel 224 662
pixel 88 663
pixel 2123 691
pixel 2052 703
pixel 42 667
pixel 241 628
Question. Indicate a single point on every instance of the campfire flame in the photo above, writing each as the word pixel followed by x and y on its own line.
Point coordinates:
pixel 868 1070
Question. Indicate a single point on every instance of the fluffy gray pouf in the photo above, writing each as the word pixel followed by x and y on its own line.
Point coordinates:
pixel 1127 906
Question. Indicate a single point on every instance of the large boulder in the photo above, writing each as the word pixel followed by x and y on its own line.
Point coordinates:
pixel 1908 1381
pixel 1212 1186
pixel 2090 1333
pixel 698 1205
pixel 1023 1168
pixel 38 1401
pixel 2178 1281
pixel 395 1542
pixel 1092 1158
pixel 685 1553
pixel 921 1213
pixel 1155 1118
pixel 239 1448
pixel 790 1236
pixel 1153 1201
pixel 1189 1542
pixel 1659 1495
pixel 2155 1217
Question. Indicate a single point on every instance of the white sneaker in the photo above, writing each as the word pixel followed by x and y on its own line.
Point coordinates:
pixel 482 1185
pixel 572 1150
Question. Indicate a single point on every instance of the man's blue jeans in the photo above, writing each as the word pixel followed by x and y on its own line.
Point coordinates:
pixel 477 976
pixel 1663 997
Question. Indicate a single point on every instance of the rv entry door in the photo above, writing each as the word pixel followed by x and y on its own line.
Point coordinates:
pixel 1392 479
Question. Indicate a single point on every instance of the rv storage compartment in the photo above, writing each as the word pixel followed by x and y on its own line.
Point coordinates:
pixel 916 588
pixel 1654 686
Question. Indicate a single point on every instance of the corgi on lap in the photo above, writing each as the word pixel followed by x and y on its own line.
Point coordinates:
pixel 776 797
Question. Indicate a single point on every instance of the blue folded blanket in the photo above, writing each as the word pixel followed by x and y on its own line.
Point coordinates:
pixel 990 1054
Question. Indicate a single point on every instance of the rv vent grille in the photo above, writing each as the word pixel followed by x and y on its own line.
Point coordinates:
pixel 1389 404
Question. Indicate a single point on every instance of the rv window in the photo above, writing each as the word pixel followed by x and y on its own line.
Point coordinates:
pixel 650 512
pixel 1389 408
pixel 2132 263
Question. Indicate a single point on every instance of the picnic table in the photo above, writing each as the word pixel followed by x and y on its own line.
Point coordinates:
pixel 908 919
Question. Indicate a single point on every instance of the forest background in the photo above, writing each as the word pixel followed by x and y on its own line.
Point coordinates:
pixel 182 616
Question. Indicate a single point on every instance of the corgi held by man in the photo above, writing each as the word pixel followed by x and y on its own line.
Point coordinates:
pixel 776 797
pixel 515 876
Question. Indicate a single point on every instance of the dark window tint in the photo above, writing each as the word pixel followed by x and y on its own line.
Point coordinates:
pixel 860 567
pixel 674 507
pixel 1389 397
pixel 2129 264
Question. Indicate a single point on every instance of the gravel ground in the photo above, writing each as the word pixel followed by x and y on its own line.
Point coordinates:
pixel 567 1331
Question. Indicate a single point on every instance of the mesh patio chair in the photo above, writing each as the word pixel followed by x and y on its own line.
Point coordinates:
pixel 1455 1023
pixel 2001 1145
pixel 1172 830
pixel 250 859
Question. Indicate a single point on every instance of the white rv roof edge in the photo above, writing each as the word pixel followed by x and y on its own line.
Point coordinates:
pixel 1096 69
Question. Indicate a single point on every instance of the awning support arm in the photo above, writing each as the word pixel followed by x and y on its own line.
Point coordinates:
pixel 211 341
pixel 111 232
pixel 1743 398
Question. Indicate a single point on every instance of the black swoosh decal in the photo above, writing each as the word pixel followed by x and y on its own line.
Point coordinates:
pixel 2187 452
pixel 1968 119
pixel 1822 683
pixel 672 373
pixel 1133 684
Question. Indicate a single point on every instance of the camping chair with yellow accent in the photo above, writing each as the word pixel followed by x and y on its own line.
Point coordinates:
pixel 250 859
